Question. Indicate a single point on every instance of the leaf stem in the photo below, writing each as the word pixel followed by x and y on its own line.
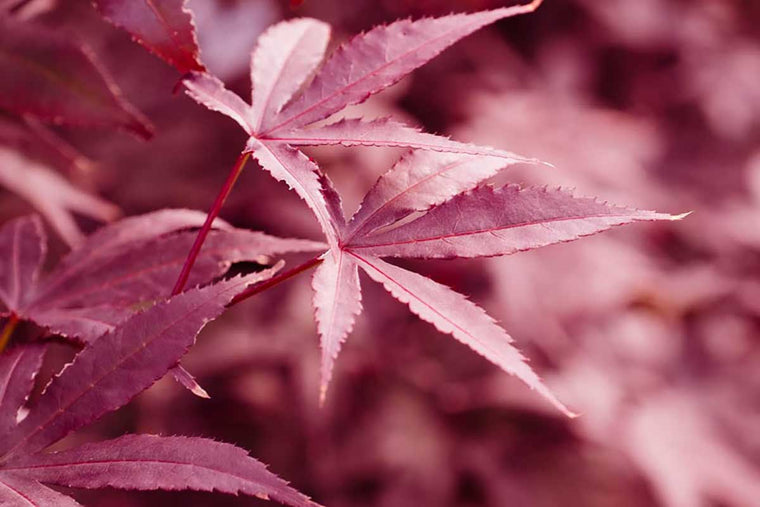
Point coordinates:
pixel 7 332
pixel 212 214
pixel 275 280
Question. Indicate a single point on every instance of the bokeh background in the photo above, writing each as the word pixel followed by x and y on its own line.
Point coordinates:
pixel 651 331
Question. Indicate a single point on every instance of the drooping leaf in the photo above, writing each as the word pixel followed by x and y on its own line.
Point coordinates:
pixel 16 491
pixel 386 132
pixel 59 81
pixel 301 174
pixel 53 196
pixel 147 462
pixel 337 302
pixel 18 368
pixel 121 364
pixel 163 27
pixel 370 62
pixel 22 251
pixel 286 54
pixel 488 221
pixel 452 313
pixel 416 182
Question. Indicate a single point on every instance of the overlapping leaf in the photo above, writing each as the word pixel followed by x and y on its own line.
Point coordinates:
pixel 102 378
pixel 284 60
pixel 477 222
pixel 119 268
pixel 163 27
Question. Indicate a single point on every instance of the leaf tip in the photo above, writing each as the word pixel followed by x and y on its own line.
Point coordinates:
pixel 681 216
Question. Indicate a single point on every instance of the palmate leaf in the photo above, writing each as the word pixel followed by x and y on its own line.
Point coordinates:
pixel 284 59
pixel 476 222
pixel 163 27
pixel 102 378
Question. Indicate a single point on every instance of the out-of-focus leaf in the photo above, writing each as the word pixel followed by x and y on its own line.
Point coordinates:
pixel 147 462
pixel 17 491
pixel 59 81
pixel 18 367
pixel 22 251
pixel 53 196
pixel 163 27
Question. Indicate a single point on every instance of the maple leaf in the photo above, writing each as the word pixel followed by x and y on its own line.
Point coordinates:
pixel 458 220
pixel 118 269
pixel 59 81
pixel 103 378
pixel 279 117
pixel 163 27
pixel 52 195
pixel 478 221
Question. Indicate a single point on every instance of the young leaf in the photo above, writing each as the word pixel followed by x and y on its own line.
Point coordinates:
pixel 22 249
pixel 416 182
pixel 488 221
pixel 337 302
pixel 59 81
pixel 453 314
pixel 18 367
pixel 119 365
pixel 285 56
pixel 147 462
pixel 163 27
pixel 371 62
pixel 16 491
pixel 53 196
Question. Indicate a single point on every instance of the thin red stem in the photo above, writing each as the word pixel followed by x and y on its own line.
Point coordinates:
pixel 7 332
pixel 212 214
pixel 275 280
